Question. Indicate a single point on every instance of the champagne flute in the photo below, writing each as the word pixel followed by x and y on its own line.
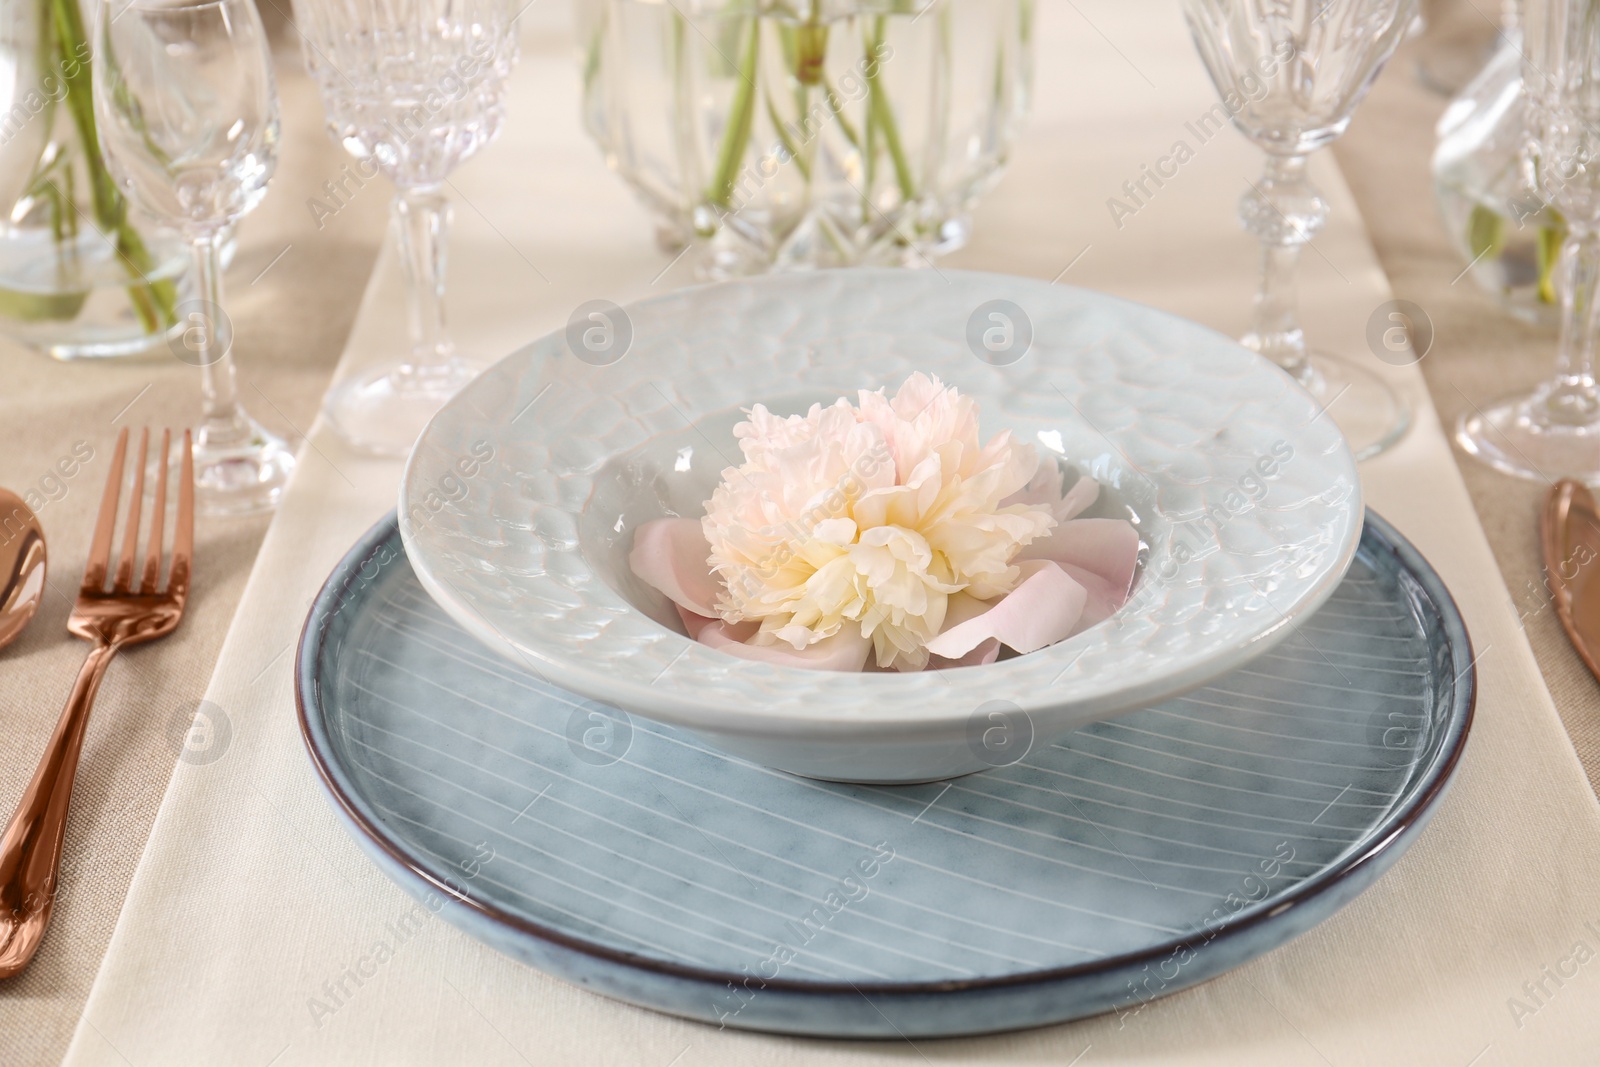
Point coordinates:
pixel 1554 432
pixel 412 89
pixel 1290 73
pixel 187 113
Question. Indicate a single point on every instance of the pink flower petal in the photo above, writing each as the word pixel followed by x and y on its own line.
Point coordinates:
pixel 695 625
pixel 1105 547
pixel 1103 601
pixel 958 609
pixel 844 651
pixel 1041 610
pixel 1084 492
pixel 986 652
pixel 670 555
pixel 1044 490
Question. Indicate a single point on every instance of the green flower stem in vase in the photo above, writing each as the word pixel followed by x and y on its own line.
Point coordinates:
pixel 736 138
pixel 805 48
pixel 880 115
pixel 72 244
pixel 155 301
pixel 1487 187
pixel 809 135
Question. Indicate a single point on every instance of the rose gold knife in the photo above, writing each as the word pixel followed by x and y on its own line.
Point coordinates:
pixel 1570 531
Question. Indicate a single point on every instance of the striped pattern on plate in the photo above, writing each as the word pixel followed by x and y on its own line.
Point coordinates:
pixel 662 871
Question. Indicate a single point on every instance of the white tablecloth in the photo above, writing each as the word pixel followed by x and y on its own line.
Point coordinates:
pixel 250 896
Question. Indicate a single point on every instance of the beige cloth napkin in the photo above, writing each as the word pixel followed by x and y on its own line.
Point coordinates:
pixel 250 896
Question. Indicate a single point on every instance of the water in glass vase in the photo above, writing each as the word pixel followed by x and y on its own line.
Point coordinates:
pixel 80 275
pixel 67 290
pixel 1488 194
pixel 825 135
pixel 1512 244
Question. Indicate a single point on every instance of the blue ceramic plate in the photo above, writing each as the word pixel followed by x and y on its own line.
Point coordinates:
pixel 1131 859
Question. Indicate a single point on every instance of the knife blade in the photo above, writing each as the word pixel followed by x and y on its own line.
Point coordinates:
pixel 1570 531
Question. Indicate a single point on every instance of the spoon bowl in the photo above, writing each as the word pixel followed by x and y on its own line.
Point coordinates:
pixel 22 566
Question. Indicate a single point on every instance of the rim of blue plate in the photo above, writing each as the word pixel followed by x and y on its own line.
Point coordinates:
pixel 1434 780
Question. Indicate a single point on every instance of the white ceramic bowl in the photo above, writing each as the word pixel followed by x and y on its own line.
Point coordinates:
pixel 519 502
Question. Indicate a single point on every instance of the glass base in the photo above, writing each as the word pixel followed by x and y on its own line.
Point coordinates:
pixel 383 413
pixel 1517 436
pixel 820 240
pixel 1371 415
pixel 73 302
pixel 243 479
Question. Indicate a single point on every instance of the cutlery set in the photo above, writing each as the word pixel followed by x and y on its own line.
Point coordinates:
pixel 122 601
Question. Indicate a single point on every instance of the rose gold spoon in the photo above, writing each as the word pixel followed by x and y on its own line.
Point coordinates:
pixel 1570 531
pixel 22 566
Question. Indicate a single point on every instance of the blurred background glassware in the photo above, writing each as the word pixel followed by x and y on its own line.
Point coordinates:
pixel 1296 70
pixel 1455 40
pixel 1508 237
pixel 79 277
pixel 24 41
pixel 824 133
pixel 1554 432
pixel 415 88
pixel 188 119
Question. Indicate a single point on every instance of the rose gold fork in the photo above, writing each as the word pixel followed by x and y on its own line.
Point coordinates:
pixel 30 852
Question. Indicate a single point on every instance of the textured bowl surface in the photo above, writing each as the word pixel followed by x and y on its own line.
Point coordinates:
pixel 520 500
pixel 1126 861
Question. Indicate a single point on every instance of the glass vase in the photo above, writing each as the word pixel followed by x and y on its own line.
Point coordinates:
pixel 81 276
pixel 810 134
pixel 1508 237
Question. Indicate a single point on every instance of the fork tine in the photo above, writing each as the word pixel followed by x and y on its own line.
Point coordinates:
pixel 152 561
pixel 183 527
pixel 94 573
pixel 130 535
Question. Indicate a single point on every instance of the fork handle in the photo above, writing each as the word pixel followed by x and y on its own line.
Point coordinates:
pixel 30 852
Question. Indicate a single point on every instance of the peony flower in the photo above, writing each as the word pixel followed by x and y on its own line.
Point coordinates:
pixel 887 526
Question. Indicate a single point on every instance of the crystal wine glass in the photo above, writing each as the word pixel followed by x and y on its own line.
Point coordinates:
pixel 187 113
pixel 1290 73
pixel 411 88
pixel 1554 432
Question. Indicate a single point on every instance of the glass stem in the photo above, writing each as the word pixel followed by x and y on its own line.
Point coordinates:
pixel 1275 331
pixel 1571 397
pixel 209 334
pixel 1284 212
pixel 422 219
